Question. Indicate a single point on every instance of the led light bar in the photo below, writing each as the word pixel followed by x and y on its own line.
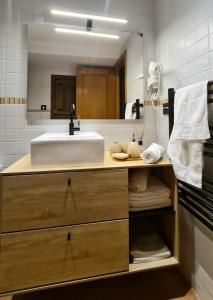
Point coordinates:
pixel 88 33
pixel 86 16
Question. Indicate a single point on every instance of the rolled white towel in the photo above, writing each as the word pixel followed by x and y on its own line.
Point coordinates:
pixel 153 153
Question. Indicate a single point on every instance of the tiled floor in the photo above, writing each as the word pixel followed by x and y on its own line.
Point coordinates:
pixel 156 285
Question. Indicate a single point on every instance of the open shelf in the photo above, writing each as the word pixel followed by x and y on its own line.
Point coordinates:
pixel 155 264
pixel 164 221
pixel 151 212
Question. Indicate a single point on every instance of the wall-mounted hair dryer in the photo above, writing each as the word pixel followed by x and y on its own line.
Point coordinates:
pixel 154 81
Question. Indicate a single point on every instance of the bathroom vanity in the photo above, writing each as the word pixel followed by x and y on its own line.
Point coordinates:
pixel 65 224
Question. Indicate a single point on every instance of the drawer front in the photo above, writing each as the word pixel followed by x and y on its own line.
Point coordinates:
pixel 48 200
pixel 35 201
pixel 41 257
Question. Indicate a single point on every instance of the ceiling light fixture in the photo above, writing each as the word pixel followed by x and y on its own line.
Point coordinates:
pixel 88 33
pixel 86 16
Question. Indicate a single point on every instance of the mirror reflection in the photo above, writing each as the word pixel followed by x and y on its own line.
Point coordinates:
pixel 101 75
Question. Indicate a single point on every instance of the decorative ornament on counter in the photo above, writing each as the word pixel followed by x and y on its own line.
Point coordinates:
pixel 120 156
pixel 115 148
pixel 125 146
pixel 133 150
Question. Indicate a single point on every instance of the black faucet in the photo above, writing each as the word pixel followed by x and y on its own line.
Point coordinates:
pixel 72 127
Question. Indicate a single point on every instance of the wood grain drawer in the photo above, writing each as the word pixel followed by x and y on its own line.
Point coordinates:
pixel 48 200
pixel 42 257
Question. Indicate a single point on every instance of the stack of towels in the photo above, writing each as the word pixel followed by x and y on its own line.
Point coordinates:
pixel 147 245
pixel 147 191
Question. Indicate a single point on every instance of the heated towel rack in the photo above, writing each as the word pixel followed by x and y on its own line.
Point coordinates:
pixel 198 201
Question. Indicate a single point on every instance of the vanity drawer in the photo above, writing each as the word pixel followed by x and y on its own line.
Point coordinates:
pixel 48 256
pixel 56 199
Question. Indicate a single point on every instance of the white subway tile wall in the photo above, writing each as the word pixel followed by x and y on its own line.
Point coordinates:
pixel 13 61
pixel 111 130
pixel 15 133
pixel 13 83
pixel 184 46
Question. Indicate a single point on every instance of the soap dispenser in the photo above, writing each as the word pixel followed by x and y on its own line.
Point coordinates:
pixel 133 148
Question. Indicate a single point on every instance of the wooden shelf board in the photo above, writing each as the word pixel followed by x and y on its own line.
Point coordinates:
pixel 23 166
pixel 151 212
pixel 166 262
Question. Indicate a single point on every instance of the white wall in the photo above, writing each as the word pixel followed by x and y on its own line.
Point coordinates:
pixel 13 83
pixel 196 254
pixel 13 61
pixel 135 87
pixel 184 46
pixel 39 82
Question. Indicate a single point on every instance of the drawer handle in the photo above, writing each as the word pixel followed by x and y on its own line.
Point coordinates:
pixel 68 236
pixel 69 182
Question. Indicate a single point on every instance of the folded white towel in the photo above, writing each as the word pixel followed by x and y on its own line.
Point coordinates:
pixel 153 153
pixel 138 260
pixel 190 132
pixel 157 195
pixel 128 113
pixel 139 202
pixel 150 205
pixel 147 245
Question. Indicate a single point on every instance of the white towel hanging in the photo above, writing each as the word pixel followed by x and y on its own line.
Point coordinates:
pixel 189 133
pixel 129 115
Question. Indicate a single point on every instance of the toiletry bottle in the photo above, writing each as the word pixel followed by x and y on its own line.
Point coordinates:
pixel 133 137
pixel 140 143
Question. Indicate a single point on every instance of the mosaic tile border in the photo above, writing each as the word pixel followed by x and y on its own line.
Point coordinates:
pixel 147 103
pixel 13 100
pixel 156 103
pixel 38 110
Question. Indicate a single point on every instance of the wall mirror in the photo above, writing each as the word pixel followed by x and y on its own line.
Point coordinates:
pixel 99 74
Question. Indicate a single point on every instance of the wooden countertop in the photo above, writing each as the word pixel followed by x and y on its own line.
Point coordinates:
pixel 23 166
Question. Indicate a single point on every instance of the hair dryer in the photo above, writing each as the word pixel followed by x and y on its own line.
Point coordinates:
pixel 154 81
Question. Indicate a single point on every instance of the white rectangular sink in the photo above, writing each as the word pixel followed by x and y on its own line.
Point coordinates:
pixel 62 148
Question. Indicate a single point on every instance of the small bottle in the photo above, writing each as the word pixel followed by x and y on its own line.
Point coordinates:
pixel 133 137
pixel 140 143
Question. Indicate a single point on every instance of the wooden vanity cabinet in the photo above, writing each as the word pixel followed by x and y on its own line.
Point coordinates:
pixel 66 225
pixel 56 199
pixel 41 257
pixel 62 226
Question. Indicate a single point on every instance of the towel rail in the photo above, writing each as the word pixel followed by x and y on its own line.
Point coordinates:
pixel 168 108
pixel 196 201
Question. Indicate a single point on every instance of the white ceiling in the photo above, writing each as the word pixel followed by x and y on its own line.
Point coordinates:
pixel 57 60
pixel 43 39
pixel 45 34
pixel 38 11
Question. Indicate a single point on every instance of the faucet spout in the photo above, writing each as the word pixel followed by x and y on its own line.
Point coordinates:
pixel 72 127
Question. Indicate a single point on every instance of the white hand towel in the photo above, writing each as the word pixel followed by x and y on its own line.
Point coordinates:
pixel 190 132
pixel 153 153
pixel 128 113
